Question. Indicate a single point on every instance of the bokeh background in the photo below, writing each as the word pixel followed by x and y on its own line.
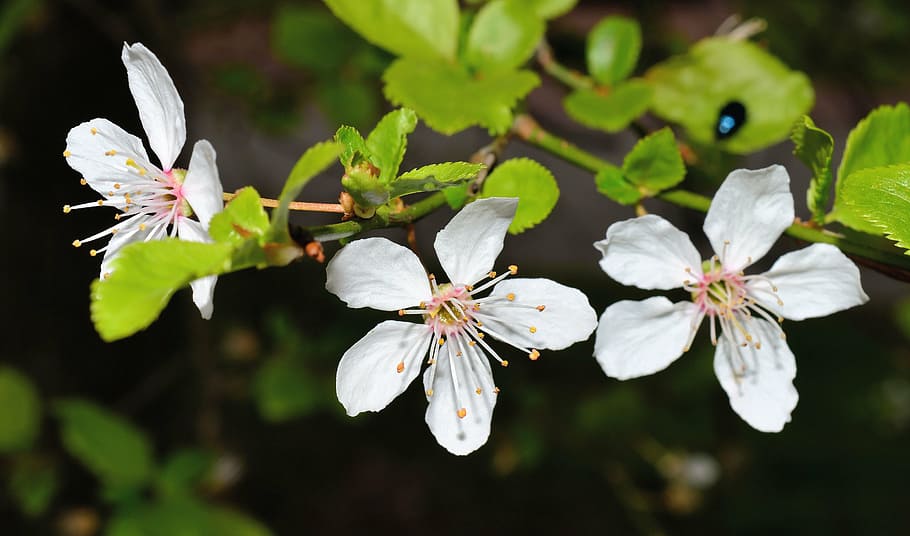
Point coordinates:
pixel 239 413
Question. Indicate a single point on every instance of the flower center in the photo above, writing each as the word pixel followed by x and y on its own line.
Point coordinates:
pixel 459 322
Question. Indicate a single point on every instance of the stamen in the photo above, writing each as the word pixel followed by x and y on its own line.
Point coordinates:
pixel 513 269
pixel 400 367
pixel 534 355
pixel 532 329
pixel 541 308
pixel 67 209
pixel 67 154
pixel 76 243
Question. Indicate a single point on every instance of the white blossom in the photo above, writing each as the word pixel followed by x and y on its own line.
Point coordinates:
pixel 149 198
pixel 527 314
pixel 752 360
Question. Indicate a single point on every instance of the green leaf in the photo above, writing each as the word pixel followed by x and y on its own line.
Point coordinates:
pixel 313 161
pixel 814 147
pixel 434 177
pixel 32 484
pixel 424 29
pixel 449 99
pixel 284 389
pixel 612 111
pixel 882 138
pixel 144 277
pixel 613 49
pixel 183 470
pixel 242 218
pixel 611 182
pixel 117 453
pixel 311 38
pixel 879 198
pixel 354 146
pixel 692 89
pixel 389 140
pixel 21 413
pixel 531 183
pixel 185 517
pixel 655 164
pixel 503 36
pixel 549 9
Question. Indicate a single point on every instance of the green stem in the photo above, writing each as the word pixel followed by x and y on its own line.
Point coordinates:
pixel 383 218
pixel 526 128
pixel 567 76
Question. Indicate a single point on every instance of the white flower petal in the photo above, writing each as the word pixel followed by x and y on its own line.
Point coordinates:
pixel 381 365
pixel 202 188
pixel 377 273
pixel 814 281
pixel 204 287
pixel 764 396
pixel 159 104
pixel 567 317
pixel 748 213
pixel 121 239
pixel 637 338
pixel 99 150
pixel 650 253
pixel 460 435
pixel 468 246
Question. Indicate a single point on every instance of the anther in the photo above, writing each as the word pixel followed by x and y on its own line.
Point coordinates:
pixel 105 275
pixel 429 392
pixel 496 390
pixel 101 202
pixel 67 154
pixel 469 288
pixel 82 181
pixel 66 209
pixel 431 276
pixel 479 324
pixel 141 226
pixel 541 307
pixel 510 296
pixel 478 390
pixel 112 152
pixel 532 329
pixel 401 312
pixel 462 412
pixel 441 341
pixel 758 345
pixel 492 275
pixel 504 363
pixel 400 367
pixel 480 335
pixel 116 186
pixel 94 131
pixel 534 355
pixel 472 343
pixel 93 252
pixel 76 243
pixel 513 269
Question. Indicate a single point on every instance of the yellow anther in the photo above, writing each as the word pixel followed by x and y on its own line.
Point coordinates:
pixel 429 392
pixel 479 324
pixel 492 275
pixel 112 152
pixel 532 329
pixel 115 231
pixel 541 307
pixel 748 338
pixel 106 275
pixel 431 276
pixel 93 252
pixel 458 354
pixel 132 163
pixel 142 172
pixel 476 307
pixel 400 367
pixel 116 186
pixel 472 343
pixel 510 296
pixel 478 390
pixel 462 412
pixel 110 194
pixel 141 226
pixel 441 341
pixel 480 335
pixel 94 131
pixel 76 243
pixel 758 345
pixel 82 181
pixel 423 305
pixel 100 202
pixel 67 154
pixel 496 390
pixel 534 355
pixel 469 288
pixel 513 269
pixel 401 312
pixel 117 217
pixel 66 209
pixel 504 363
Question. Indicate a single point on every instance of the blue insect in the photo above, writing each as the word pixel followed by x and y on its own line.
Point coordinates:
pixel 731 118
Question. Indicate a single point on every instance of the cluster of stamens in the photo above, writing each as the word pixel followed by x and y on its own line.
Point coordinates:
pixel 150 203
pixel 459 323
pixel 724 297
